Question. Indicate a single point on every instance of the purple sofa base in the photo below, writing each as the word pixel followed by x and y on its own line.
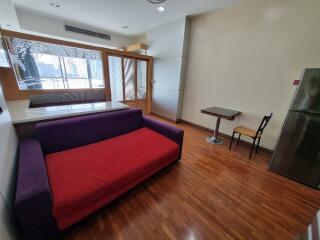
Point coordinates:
pixel 33 202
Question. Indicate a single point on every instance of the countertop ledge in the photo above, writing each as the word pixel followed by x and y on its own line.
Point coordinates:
pixel 21 113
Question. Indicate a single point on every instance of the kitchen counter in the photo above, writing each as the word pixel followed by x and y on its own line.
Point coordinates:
pixel 21 113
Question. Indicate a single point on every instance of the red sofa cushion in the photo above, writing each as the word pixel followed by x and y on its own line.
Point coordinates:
pixel 84 179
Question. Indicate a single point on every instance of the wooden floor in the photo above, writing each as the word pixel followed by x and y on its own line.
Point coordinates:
pixel 211 194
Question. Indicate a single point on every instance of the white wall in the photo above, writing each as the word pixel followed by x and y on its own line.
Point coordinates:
pixel 36 22
pixel 246 56
pixel 167 46
pixel 8 151
pixel 8 14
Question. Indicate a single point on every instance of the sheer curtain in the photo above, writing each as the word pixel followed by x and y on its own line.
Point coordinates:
pixel 115 72
pixel 131 84
pixel 3 56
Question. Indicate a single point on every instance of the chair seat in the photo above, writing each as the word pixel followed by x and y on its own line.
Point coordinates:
pixel 246 131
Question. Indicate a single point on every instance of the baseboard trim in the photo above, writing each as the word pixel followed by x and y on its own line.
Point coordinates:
pixel 157 115
pixel 266 150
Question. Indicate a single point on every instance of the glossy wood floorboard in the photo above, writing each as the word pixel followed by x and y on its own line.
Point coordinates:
pixel 211 194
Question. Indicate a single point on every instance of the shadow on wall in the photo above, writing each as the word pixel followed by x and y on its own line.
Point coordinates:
pixel 8 155
pixel 8 222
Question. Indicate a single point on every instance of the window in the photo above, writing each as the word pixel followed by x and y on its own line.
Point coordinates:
pixel 131 84
pixel 40 65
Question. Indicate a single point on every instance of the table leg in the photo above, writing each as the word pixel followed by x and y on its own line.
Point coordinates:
pixel 214 139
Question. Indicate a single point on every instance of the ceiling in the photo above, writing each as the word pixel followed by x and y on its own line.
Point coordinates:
pixel 138 15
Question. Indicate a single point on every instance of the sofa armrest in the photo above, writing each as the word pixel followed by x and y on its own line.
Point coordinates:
pixel 33 204
pixel 171 132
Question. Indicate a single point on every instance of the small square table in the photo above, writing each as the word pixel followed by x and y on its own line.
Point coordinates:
pixel 219 113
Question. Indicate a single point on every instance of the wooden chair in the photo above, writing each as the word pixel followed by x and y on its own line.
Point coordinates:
pixel 254 134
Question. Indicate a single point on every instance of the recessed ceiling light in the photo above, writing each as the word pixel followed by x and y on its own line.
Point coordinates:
pixel 53 4
pixel 161 9
pixel 125 27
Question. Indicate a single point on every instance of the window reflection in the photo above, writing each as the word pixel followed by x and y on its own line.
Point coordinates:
pixel 40 65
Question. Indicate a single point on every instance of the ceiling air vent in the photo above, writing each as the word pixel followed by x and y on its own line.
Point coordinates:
pixel 86 32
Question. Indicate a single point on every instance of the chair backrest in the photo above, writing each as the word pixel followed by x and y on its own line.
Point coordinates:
pixel 263 124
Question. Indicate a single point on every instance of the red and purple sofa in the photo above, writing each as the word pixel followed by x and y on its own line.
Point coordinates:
pixel 76 166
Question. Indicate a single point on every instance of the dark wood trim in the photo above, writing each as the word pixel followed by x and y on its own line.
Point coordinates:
pixel 266 150
pixel 149 86
pixel 128 55
pixel 106 74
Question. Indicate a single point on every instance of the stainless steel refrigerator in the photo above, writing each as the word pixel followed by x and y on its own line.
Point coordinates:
pixel 297 154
